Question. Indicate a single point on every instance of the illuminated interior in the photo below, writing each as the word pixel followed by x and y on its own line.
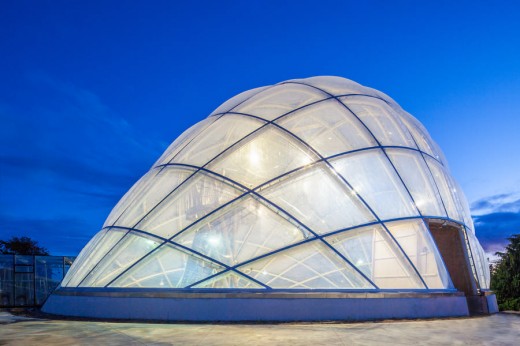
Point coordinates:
pixel 317 183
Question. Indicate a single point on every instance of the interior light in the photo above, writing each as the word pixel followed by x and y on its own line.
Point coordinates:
pixel 214 240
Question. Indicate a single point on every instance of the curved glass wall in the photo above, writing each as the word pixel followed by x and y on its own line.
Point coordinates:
pixel 318 183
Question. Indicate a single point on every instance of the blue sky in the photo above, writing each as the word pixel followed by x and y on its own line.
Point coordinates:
pixel 92 92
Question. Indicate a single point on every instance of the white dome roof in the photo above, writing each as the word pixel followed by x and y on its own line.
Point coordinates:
pixel 316 183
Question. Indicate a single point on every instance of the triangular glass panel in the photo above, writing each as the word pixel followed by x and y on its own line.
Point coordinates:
pixel 381 119
pixel 329 128
pixel 81 258
pixel 311 265
pixel 168 267
pixel 445 190
pixel 357 246
pixel 98 250
pixel 279 100
pixel 319 200
pixel 415 240
pixel 243 230
pixel 419 181
pixel 374 179
pixel 374 252
pixel 184 139
pixel 164 182
pixel 266 155
pixel 228 280
pixel 134 193
pixel 128 251
pixel 216 138
pixel 194 199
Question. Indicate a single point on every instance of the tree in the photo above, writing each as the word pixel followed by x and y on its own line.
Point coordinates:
pixel 22 246
pixel 505 276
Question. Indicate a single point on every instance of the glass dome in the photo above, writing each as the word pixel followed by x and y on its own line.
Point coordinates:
pixel 316 183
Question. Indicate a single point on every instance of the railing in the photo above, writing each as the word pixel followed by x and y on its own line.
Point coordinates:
pixel 28 280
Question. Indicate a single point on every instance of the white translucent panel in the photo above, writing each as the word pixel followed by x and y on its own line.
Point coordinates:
pixel 311 265
pixel 164 181
pixel 197 197
pixel 184 139
pixel 245 229
pixel 357 246
pixel 228 280
pixel 265 155
pixel 416 241
pixel 418 132
pixel 128 251
pixel 444 187
pixel 217 137
pixel 95 254
pixel 329 128
pixel 335 85
pixel 238 99
pixel 381 119
pixel 481 263
pixel 279 100
pixel 461 203
pixel 419 181
pixel 81 258
pixel 374 179
pixel 130 197
pixel 319 200
pixel 374 252
pixel 168 267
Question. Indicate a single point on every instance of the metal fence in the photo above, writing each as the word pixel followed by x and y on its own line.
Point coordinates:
pixel 28 280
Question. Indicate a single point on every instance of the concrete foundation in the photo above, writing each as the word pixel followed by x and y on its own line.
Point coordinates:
pixel 273 306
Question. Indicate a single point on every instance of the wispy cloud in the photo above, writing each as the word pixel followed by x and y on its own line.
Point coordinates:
pixel 496 218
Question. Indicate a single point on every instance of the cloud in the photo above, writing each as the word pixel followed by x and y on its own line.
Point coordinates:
pixel 496 218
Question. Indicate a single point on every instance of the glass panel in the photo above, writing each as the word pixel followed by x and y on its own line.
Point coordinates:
pixel 228 280
pixel 329 128
pixel 130 197
pixel 168 267
pixel 416 242
pixel 444 188
pixel 279 99
pixel 94 253
pixel 128 251
pixel 266 155
pixel 418 132
pixel 194 199
pixel 164 181
pixel 336 85
pixel 6 280
pixel 461 203
pixel 241 231
pixel 357 246
pixel 418 180
pixel 374 179
pixel 220 135
pixel 238 99
pixel 479 259
pixel 319 201
pixel 381 119
pixel 48 274
pixel 183 140
pixel 374 252
pixel 23 289
pixel 312 265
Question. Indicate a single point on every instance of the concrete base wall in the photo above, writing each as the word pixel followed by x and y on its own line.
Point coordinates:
pixel 259 307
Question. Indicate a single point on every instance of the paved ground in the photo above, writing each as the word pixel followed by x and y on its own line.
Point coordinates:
pixel 499 329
